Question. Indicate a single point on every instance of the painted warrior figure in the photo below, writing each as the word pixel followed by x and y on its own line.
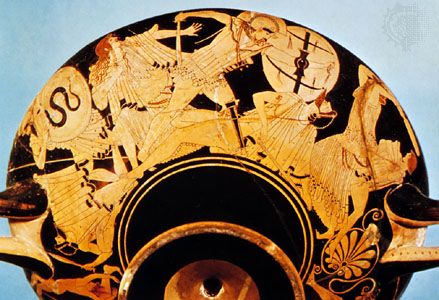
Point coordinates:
pixel 202 72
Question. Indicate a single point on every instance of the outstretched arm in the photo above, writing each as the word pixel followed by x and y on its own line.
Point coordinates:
pixel 163 34
pixel 220 17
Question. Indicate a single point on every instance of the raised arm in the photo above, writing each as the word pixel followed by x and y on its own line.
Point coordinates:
pixel 159 34
pixel 220 17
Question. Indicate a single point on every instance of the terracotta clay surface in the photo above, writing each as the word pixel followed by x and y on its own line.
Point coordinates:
pixel 244 151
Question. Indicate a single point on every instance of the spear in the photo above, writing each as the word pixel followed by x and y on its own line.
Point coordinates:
pixel 178 43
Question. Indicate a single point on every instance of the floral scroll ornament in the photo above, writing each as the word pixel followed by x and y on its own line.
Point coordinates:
pixel 352 256
pixel 347 261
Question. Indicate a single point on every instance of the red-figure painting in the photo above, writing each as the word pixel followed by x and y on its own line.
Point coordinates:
pixel 217 154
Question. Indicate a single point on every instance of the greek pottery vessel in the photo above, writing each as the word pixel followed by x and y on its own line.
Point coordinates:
pixel 217 154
